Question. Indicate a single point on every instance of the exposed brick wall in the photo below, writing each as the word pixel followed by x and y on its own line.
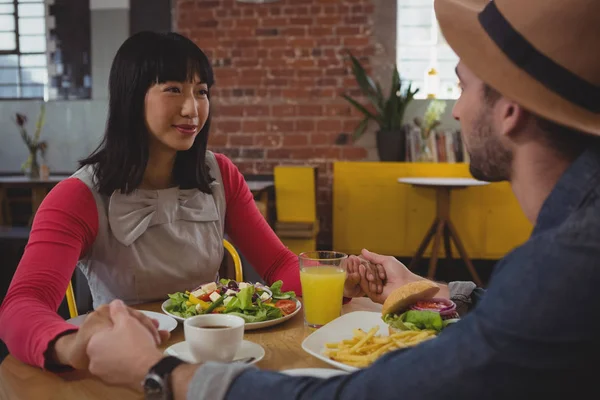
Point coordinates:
pixel 280 69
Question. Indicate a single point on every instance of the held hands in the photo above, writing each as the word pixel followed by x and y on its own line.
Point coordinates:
pixel 376 276
pixel 123 353
pixel 71 349
pixel 359 270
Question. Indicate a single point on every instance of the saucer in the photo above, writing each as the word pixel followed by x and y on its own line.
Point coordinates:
pixel 247 349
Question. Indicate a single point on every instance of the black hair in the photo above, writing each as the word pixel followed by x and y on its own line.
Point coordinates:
pixel 566 141
pixel 143 60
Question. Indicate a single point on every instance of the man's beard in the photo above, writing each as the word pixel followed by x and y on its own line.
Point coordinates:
pixel 490 161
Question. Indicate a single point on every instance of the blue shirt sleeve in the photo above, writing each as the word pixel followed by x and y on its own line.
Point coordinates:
pixel 530 335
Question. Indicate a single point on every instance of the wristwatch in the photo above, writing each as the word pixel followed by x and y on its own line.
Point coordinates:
pixel 157 383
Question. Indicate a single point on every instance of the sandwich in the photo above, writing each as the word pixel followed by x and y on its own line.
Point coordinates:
pixel 414 307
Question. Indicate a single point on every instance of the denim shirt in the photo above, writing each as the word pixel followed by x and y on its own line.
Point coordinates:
pixel 535 332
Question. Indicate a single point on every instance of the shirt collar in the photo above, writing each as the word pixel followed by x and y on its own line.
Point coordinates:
pixel 580 179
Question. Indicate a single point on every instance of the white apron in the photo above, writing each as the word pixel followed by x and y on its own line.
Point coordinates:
pixel 154 242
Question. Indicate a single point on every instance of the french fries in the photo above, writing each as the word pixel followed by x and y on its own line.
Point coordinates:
pixel 366 347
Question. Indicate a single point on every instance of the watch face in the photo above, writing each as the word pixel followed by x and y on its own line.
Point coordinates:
pixel 153 388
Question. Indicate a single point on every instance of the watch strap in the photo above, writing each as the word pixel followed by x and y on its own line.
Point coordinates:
pixel 166 365
pixel 157 383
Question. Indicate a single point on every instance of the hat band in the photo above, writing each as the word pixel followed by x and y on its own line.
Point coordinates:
pixel 543 69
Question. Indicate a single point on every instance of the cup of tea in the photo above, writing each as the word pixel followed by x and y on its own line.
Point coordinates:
pixel 214 337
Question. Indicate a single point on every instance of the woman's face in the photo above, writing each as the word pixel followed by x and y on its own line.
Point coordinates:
pixel 175 112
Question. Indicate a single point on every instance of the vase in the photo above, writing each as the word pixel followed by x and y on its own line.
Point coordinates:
pixel 425 153
pixel 34 166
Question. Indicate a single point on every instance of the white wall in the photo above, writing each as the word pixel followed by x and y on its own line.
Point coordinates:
pixel 72 129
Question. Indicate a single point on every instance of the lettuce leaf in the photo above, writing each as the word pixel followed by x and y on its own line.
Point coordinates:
pixel 424 319
pixel 278 294
pixel 178 307
pixel 245 297
pixel 414 320
pixel 259 316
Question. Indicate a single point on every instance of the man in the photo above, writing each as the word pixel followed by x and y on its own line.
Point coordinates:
pixel 529 111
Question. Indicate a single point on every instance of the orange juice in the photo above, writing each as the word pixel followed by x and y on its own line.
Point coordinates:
pixel 322 293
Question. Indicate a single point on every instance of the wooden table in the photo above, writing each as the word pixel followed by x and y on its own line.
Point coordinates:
pixel 442 228
pixel 282 344
pixel 39 189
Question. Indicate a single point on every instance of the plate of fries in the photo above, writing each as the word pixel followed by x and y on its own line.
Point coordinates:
pixel 356 340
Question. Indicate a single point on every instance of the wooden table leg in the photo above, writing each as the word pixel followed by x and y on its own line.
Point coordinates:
pixel 424 243
pixel 447 244
pixel 437 241
pixel 463 254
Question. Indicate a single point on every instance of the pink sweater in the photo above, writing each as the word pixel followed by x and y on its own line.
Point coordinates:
pixel 65 227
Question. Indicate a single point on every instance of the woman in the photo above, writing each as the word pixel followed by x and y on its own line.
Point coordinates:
pixel 145 214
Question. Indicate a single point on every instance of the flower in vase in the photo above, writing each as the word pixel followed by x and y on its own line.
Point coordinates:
pixel 33 143
pixel 430 121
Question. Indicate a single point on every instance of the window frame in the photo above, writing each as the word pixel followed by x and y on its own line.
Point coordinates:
pixel 433 46
pixel 19 85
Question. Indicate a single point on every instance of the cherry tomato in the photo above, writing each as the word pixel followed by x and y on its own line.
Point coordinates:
pixel 205 297
pixel 286 306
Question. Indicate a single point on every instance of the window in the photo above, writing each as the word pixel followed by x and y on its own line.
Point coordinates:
pixel 23 59
pixel 423 56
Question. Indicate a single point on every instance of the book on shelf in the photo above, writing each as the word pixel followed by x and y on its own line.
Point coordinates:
pixel 445 145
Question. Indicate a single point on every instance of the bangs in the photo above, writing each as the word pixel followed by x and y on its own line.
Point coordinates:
pixel 176 58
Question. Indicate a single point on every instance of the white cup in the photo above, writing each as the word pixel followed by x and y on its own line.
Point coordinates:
pixel 214 337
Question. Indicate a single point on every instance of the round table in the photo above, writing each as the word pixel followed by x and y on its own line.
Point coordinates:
pixel 282 344
pixel 442 228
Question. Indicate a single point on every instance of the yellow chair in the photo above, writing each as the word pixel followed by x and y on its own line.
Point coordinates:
pixel 237 262
pixel 297 223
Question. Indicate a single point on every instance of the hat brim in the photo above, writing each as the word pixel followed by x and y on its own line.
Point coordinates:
pixel 460 26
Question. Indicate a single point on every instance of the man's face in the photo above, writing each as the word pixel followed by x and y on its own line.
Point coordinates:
pixel 490 158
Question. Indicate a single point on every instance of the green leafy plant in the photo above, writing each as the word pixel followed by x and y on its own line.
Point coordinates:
pixel 387 112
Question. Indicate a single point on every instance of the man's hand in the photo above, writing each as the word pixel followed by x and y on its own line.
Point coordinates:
pixel 358 270
pixel 71 349
pixel 396 275
pixel 123 353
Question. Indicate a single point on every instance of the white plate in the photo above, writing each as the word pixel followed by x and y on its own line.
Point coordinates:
pixel 339 329
pixel 247 349
pixel 316 372
pixel 165 322
pixel 249 326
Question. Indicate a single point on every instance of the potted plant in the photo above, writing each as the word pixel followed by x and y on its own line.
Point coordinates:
pixel 387 112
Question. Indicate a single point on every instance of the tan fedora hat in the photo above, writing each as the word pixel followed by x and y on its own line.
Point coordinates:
pixel 543 54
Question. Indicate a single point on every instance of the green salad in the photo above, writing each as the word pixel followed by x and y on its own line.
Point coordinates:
pixel 252 302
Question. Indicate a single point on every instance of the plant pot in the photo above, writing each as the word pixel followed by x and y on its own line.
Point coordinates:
pixel 391 144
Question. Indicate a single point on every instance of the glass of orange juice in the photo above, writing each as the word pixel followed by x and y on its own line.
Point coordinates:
pixel 322 276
